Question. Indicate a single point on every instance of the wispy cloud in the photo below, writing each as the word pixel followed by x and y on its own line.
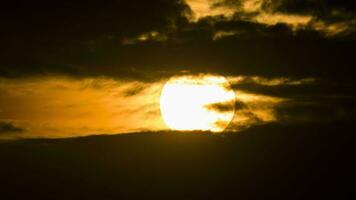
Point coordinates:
pixel 270 13
pixel 63 107
pixel 152 36
pixel 9 127
pixel 66 107
pixel 258 80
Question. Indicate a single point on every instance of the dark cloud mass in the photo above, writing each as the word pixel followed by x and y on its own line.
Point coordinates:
pixel 311 6
pixel 221 107
pixel 133 39
pixel 8 127
pixel 320 100
pixel 337 14
pixel 78 38
pixel 279 161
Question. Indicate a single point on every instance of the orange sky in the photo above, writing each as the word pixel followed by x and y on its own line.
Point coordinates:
pixel 66 107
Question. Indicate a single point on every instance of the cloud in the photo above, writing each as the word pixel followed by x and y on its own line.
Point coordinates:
pixel 65 106
pixel 107 39
pixel 248 10
pixel 250 109
pixel 261 100
pixel 333 18
pixel 322 109
pixel 9 128
pixel 74 38
pixel 263 81
pixel 208 8
pixel 145 37
pixel 307 103
pixel 259 162
pixel 134 90
pixel 330 18
pixel 221 107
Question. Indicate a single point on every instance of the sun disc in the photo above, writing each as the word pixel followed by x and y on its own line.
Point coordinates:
pixel 197 102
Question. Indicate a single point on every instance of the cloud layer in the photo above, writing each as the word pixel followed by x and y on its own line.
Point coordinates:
pixel 146 40
pixel 8 127
pixel 67 107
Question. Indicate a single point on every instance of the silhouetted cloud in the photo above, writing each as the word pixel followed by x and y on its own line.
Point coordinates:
pixel 221 107
pixel 252 164
pixel 317 109
pixel 9 127
pixel 146 40
pixel 80 38
pixel 262 100
pixel 134 90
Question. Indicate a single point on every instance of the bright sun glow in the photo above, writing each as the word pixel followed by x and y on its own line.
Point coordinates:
pixel 199 102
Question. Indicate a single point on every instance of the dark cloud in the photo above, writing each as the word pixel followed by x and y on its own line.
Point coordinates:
pixel 222 124
pixel 252 164
pixel 8 127
pixel 221 107
pixel 322 109
pixel 317 89
pixel 242 110
pixel 318 101
pixel 317 7
pixel 86 39
pixel 336 16
pixel 78 38
pixel 134 90
pixel 228 2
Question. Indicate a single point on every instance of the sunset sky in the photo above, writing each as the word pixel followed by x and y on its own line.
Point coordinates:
pixel 177 99
pixel 81 68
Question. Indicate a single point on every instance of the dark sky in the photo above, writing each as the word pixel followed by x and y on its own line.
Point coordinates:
pixel 93 38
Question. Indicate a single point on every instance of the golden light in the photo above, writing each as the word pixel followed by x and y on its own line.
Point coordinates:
pixel 197 102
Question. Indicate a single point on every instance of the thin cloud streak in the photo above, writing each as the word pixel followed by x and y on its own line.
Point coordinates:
pixel 266 12
pixel 65 107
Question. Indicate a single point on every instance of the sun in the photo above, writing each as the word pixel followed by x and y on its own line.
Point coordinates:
pixel 197 102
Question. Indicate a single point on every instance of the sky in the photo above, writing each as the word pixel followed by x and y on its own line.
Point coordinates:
pixel 88 67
